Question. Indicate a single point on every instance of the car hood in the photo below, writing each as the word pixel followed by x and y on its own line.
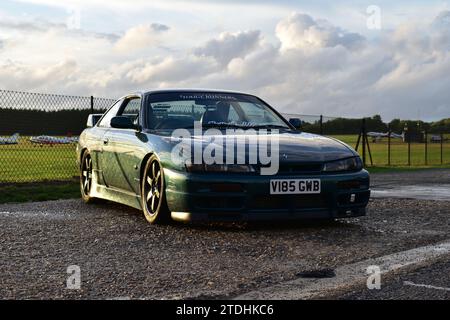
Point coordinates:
pixel 307 147
pixel 293 146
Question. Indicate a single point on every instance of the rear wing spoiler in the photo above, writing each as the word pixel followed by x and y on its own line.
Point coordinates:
pixel 93 119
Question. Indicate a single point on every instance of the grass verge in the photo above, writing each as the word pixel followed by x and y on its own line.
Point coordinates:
pixel 39 191
pixel 395 169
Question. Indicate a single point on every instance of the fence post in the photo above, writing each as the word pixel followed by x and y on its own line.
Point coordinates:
pixel 364 140
pixel 408 140
pixel 389 144
pixel 92 104
pixel 409 150
pixel 442 148
pixel 426 147
pixel 321 124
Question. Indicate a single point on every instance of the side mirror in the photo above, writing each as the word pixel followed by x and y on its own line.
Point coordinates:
pixel 296 122
pixel 93 119
pixel 121 122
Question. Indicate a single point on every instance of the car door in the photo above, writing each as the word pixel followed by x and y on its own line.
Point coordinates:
pixel 123 150
pixel 97 144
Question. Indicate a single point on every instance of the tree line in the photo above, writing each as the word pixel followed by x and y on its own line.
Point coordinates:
pixel 73 121
pixel 339 126
pixel 38 122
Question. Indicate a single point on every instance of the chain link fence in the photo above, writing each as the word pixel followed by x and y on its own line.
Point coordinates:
pixel 400 143
pixel 38 133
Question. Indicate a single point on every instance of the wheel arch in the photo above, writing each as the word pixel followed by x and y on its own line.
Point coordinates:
pixel 143 163
pixel 82 151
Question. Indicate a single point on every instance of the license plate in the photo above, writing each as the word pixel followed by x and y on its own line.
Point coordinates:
pixel 295 186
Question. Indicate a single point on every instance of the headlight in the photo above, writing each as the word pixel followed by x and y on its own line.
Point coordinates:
pixel 351 164
pixel 232 168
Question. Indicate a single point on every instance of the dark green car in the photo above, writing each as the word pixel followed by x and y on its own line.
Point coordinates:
pixel 210 155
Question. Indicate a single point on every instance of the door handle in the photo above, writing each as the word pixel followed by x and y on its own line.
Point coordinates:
pixel 105 141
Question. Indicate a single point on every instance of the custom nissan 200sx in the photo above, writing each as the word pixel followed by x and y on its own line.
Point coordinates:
pixel 191 155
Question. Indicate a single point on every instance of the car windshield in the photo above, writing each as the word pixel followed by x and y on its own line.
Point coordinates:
pixel 219 110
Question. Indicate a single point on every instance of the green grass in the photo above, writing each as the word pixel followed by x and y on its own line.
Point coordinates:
pixel 399 153
pixel 29 162
pixel 39 192
pixel 395 169
pixel 36 167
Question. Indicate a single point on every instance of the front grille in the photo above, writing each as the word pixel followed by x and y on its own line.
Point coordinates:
pixel 231 203
pixel 268 202
pixel 294 168
pixel 285 202
pixel 309 201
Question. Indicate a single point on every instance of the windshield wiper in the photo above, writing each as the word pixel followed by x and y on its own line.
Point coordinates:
pixel 270 126
pixel 225 126
pixel 236 126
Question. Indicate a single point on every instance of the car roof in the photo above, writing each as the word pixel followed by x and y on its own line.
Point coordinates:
pixel 171 90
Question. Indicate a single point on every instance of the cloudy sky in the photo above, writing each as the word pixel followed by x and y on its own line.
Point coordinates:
pixel 311 57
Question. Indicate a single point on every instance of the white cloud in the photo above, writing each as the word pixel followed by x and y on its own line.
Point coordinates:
pixel 229 46
pixel 19 76
pixel 140 37
pixel 301 31
pixel 313 67
pixel 172 70
pixel 42 26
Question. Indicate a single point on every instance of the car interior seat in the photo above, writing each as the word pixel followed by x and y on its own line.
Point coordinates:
pixel 218 114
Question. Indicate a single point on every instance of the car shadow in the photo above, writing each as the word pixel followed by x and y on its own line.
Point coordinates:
pixel 118 209
pixel 300 225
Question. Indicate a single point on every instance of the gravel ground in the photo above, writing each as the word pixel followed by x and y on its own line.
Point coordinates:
pixel 121 256
pixel 428 176
pixel 427 283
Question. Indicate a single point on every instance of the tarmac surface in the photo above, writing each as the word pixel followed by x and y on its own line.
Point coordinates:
pixel 121 256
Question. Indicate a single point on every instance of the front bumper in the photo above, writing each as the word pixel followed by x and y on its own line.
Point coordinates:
pixel 230 197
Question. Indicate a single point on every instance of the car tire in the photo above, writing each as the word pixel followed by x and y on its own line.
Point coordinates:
pixel 153 194
pixel 86 178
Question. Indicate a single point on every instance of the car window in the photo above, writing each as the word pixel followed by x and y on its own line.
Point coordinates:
pixel 233 115
pixel 112 112
pixel 258 113
pixel 131 109
pixel 182 109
